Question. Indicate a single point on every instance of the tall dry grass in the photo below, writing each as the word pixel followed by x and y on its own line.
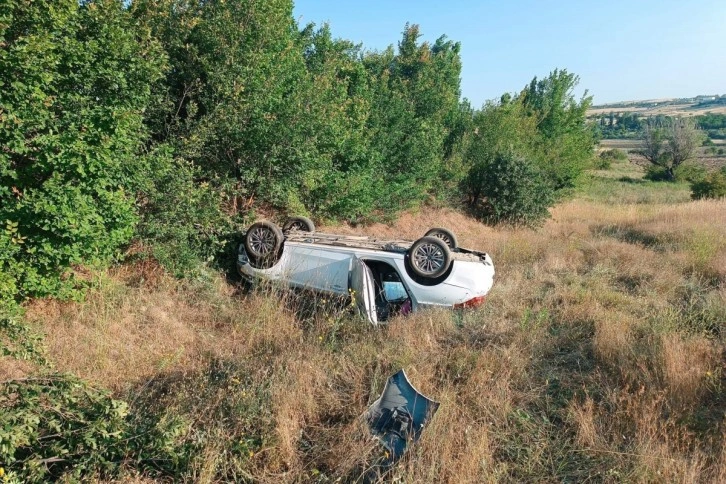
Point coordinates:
pixel 599 356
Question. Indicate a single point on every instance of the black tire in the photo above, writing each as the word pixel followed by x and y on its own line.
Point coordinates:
pixel 262 243
pixel 302 224
pixel 429 257
pixel 445 235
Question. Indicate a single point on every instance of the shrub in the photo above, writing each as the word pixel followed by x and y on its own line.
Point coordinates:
pixel 516 191
pixel 40 442
pixel 601 163
pixel 182 221
pixel 75 79
pixel 11 268
pixel 605 158
pixel 684 173
pixel 656 173
pixel 690 172
pixel 712 186
pixel 57 426
pixel 17 340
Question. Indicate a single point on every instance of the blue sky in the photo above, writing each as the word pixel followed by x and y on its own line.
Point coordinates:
pixel 622 50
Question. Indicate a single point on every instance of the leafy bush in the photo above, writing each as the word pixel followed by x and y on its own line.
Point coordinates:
pixel 712 186
pixel 55 424
pixel 499 128
pixel 58 426
pixel 75 79
pixel 602 163
pixel 691 173
pixel 516 192
pixel 182 221
pixel 11 266
pixel 656 173
pixel 605 158
pixel 18 341
pixel 544 125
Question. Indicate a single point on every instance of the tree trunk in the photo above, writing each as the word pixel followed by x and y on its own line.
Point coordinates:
pixel 670 173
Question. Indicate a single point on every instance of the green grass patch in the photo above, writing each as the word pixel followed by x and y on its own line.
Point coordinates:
pixel 623 184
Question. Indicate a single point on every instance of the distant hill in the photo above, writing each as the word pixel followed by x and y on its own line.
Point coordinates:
pixel 690 106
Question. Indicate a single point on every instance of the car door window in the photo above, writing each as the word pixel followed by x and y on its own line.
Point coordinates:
pixel 394 291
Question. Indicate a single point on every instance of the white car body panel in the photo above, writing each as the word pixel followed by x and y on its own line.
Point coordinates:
pixel 336 269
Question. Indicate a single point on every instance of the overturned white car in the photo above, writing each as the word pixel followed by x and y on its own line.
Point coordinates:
pixel 385 277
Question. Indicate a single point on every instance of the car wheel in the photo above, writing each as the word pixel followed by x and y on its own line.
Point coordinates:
pixel 430 257
pixel 302 224
pixel 445 235
pixel 262 242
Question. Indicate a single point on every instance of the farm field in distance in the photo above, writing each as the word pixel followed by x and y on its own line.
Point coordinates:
pixel 666 107
pixel 630 146
pixel 598 355
pixel 621 124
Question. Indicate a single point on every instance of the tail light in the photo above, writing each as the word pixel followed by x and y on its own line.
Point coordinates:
pixel 471 303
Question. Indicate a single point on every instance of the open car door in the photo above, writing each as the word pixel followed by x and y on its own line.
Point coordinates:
pixel 361 282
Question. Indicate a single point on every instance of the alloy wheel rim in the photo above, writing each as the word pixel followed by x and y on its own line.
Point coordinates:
pixel 262 240
pixel 429 258
pixel 444 237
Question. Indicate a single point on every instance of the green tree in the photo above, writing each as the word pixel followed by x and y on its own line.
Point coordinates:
pixel 498 128
pixel 565 141
pixel 301 121
pixel 505 183
pixel 342 92
pixel 417 121
pixel 236 92
pixel 669 142
pixel 74 82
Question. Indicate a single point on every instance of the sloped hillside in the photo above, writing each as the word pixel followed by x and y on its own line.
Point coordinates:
pixel 599 355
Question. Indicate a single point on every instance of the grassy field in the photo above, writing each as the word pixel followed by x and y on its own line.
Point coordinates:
pixel 599 355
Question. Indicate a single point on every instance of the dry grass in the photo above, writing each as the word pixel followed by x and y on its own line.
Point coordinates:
pixel 599 356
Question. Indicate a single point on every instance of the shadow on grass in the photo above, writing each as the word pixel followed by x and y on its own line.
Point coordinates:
pixel 631 235
pixel 223 407
pixel 631 180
